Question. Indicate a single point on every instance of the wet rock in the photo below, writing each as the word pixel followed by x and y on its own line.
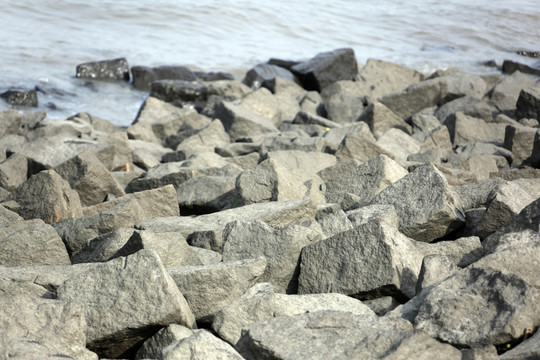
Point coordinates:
pixel 380 119
pixel 427 207
pixel 264 72
pixel 435 268
pixel 528 104
pixel 506 93
pixel 180 92
pixel 281 246
pixel 31 242
pixel 213 75
pixel 339 334
pixel 201 344
pixel 89 177
pixel 326 68
pixel 35 327
pixel 394 271
pixel 365 180
pixel 57 200
pixel 21 98
pixel 256 304
pixel 115 69
pixel 288 305
pixel 144 76
pixel 240 122
pixel 509 67
pixel 13 171
pixel 121 306
pixel 209 288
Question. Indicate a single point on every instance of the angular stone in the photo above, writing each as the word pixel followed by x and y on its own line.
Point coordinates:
pixel 468 105
pixel 339 335
pixel 121 306
pixel 263 72
pixel 153 347
pixel 263 103
pixel 382 305
pixel 291 142
pixel 344 108
pixel 31 242
pixel 520 140
pixel 281 246
pixel 13 171
pixel 346 263
pixel 288 95
pixel 438 139
pixel 528 104
pixel 360 146
pixel 398 143
pixel 144 76
pixel 90 178
pixel 435 268
pixel 208 289
pixel 326 68
pixel 8 217
pixel 205 140
pixel 427 207
pixel 21 97
pixel 115 69
pixel 57 201
pixel 506 93
pixel 207 194
pixel 240 122
pixel 364 214
pixel 38 328
pixel 465 129
pixel 499 307
pixel 462 251
pixel 305 118
pixel 365 180
pixel 332 219
pixel 256 304
pixel 380 119
pixel 288 305
pixel 202 344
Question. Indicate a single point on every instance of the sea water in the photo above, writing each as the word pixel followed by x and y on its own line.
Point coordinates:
pixel 42 41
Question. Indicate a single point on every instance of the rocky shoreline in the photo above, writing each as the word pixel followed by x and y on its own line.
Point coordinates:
pixel 314 210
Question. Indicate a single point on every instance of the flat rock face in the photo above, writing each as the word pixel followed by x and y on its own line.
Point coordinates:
pixel 337 335
pixel 288 305
pixel 124 299
pixel 427 207
pixel 201 345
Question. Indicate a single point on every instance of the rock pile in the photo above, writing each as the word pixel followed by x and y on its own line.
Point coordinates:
pixel 312 210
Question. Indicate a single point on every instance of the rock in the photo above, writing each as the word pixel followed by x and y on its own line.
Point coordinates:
pixel 240 122
pixel 360 146
pixel 153 347
pixel 202 344
pixel 207 194
pixel 206 230
pixel 468 105
pixel 326 68
pixel 262 102
pixel 281 246
pixel 506 93
pixel 180 92
pixel 509 67
pixel 291 142
pixel 520 140
pixel 479 148
pixel 393 271
pixel 42 328
pixel 288 305
pixel 482 353
pixel 504 202
pixel 332 220
pixel 207 257
pixel 365 180
pixel 427 207
pixel 382 305
pixel 398 143
pixel 339 334
pixel 435 268
pixel 378 78
pixel 288 95
pixel 380 119
pixel 13 171
pixel 498 309
pixel 465 129
pixel 438 140
pixel 115 69
pixel 97 124
pixel 528 349
pixel 89 177
pixel 145 154
pixel 209 288
pixel 205 140
pixel 528 104
pixel 263 72
pixel 256 304
pixel 344 108
pixel 144 76
pixel 121 306
pixel 213 75
pixel 57 200
pixel 364 214
pixel 10 122
pixel 424 123
pixel 8 217
pixel 305 118
pixel 21 97
pixel 462 252
pixel 31 242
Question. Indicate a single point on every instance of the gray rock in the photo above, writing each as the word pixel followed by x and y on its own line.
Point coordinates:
pixel 380 119
pixel 201 345
pixel 424 123
pixel 205 140
pixel 365 180
pixel 8 217
pixel 382 305
pixel 360 146
pixel 528 349
pixel 240 122
pixel 435 268
pixel 461 252
pixel 332 220
pixel 153 347
pixel 506 93
pixel 207 257
pixel 120 304
pixel 21 98
pixel 65 128
pixel 479 148
pixel 236 149
pixel 10 121
pixel 528 104
pixel 344 108
pixel 147 154
pixel 31 242
pixel 345 263
pixel 504 202
pixel 326 68
pixel 263 72
pixel 520 140
pixel 499 307
pixel 398 143
pixel 482 353
pixel 468 105
pixel 262 102
pixel 144 76
pixel 288 95
pixel 57 201
pixel 466 129
pixel 90 178
pixel 288 305
pixel 438 140
pixel 114 69
pixel 38 328
pixel 339 335
pixel 13 171
pixel 281 246
pixel 207 194
pixel 256 304
pixel 364 214
pixel 209 288
pixel 427 207
pixel 305 118
pixel 288 142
